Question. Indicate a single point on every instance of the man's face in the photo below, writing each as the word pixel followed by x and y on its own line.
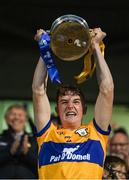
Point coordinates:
pixel 16 118
pixel 119 144
pixel 118 171
pixel 70 110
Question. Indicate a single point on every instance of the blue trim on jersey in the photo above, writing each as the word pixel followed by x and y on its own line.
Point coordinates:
pixel 44 129
pixel 100 130
pixel 90 151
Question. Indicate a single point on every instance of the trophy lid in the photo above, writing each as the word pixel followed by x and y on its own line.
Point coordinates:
pixel 69 18
pixel 70 38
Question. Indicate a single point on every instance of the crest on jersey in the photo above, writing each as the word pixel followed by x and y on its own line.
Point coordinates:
pixel 82 132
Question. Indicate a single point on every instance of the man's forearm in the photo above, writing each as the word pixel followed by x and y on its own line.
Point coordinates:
pixel 104 102
pixel 40 77
pixel 103 73
pixel 41 104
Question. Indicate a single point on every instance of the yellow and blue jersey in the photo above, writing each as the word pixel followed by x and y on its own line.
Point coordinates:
pixel 77 154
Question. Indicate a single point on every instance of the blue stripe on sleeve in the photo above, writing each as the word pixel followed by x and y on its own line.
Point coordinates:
pixel 44 129
pixel 100 130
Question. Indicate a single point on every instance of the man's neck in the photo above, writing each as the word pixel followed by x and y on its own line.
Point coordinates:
pixel 70 126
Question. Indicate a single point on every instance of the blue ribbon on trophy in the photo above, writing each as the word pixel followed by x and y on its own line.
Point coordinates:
pixel 46 54
pixel 70 39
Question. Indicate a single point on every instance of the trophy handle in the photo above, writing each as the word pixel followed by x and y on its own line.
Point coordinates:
pixel 89 65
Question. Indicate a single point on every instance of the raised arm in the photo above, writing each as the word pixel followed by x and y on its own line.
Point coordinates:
pixel 41 103
pixel 104 103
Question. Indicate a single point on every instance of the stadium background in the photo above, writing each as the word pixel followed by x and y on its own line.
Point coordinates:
pixel 19 53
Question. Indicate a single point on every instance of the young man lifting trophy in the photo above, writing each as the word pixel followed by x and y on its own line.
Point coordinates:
pixel 71 149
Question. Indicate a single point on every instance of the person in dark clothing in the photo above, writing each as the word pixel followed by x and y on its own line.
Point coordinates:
pixel 18 149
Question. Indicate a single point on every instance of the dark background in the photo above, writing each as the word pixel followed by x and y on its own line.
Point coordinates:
pixel 19 53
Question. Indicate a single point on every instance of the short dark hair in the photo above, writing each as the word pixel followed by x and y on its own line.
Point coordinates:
pixel 64 89
pixel 111 161
pixel 120 130
pixel 114 160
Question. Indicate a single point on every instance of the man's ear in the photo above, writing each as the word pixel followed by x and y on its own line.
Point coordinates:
pixel 7 122
pixel 6 119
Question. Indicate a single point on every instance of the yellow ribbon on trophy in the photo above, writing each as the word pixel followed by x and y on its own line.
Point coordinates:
pixel 89 65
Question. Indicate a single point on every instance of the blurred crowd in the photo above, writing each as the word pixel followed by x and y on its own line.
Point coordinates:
pixel 18 149
pixel 116 164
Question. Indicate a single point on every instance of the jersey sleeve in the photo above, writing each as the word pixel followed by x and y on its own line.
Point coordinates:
pixel 100 130
pixel 41 135
pixel 98 134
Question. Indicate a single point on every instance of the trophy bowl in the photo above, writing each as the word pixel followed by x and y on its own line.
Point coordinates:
pixel 70 37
